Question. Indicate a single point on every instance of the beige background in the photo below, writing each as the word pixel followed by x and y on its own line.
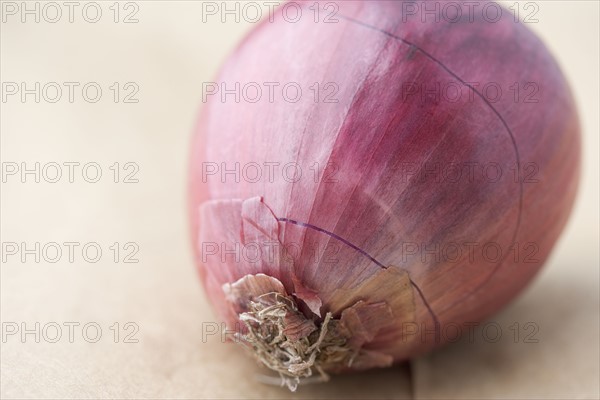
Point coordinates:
pixel 168 54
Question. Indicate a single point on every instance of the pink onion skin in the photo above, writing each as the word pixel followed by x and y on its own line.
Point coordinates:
pixel 372 130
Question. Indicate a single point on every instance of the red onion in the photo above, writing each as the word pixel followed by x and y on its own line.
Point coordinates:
pixel 361 188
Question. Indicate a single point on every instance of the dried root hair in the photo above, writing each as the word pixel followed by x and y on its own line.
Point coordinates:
pixel 280 337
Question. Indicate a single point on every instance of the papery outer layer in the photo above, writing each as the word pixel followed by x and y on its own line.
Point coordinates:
pixel 381 303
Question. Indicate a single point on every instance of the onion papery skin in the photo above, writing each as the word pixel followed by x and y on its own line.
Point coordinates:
pixel 366 141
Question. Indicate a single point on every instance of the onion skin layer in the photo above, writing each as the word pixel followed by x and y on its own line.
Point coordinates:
pixel 375 130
